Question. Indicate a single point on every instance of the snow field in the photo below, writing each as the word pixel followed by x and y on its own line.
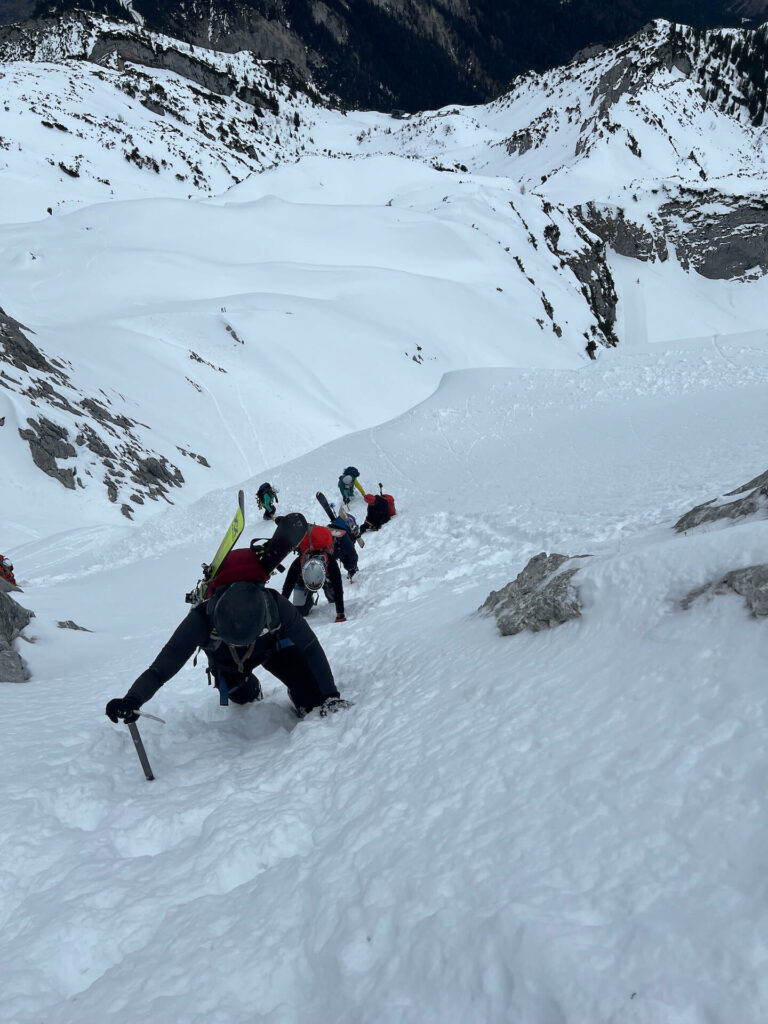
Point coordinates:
pixel 562 826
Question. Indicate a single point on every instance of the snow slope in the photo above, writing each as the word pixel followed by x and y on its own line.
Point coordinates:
pixel 256 310
pixel 563 826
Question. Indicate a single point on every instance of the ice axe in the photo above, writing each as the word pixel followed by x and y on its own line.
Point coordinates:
pixel 133 729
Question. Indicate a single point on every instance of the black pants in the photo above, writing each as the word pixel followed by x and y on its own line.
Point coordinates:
pixel 292 669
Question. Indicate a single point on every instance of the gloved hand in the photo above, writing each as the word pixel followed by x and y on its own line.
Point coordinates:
pixel 341 618
pixel 124 708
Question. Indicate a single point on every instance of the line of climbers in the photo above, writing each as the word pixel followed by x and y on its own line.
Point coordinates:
pixel 243 624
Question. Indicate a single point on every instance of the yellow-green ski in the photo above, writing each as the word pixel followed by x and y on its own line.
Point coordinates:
pixel 230 537
pixel 234 530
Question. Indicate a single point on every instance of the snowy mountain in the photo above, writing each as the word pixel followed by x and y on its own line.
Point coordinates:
pixel 211 276
pixel 412 54
pixel 530 197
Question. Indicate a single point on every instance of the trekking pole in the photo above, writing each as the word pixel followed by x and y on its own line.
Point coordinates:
pixel 134 731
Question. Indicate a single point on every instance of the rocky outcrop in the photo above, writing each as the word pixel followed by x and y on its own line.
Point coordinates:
pixel 70 424
pixel 47 443
pixel 17 350
pixel 13 619
pixel 751 583
pixel 590 267
pixel 540 597
pixel 721 237
pixel 754 498
pixel 625 237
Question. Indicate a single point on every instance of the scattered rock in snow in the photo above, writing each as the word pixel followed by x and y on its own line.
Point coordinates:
pixel 69 624
pixel 127 462
pixel 751 583
pixel 48 442
pixel 541 596
pixel 13 618
pixel 755 497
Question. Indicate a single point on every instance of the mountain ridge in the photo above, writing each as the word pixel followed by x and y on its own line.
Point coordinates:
pixel 414 55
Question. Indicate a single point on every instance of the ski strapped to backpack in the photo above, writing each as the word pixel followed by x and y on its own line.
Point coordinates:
pixel 235 528
pixel 354 531
pixel 258 561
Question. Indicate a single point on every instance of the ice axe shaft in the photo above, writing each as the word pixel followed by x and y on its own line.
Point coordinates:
pixel 134 731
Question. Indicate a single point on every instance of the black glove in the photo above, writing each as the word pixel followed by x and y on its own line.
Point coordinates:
pixel 122 707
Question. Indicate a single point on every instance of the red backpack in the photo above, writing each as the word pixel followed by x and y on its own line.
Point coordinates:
pixel 389 500
pixel 240 565
pixel 390 504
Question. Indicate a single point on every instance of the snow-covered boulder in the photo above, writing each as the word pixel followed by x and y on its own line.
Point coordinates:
pixel 13 618
pixel 541 596
pixel 751 583
pixel 754 496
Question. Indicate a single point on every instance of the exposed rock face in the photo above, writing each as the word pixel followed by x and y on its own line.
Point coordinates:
pixel 725 245
pixel 48 442
pixel 13 618
pixel 718 236
pixel 755 498
pixel 625 237
pixel 751 583
pixel 73 424
pixel 589 264
pixel 541 596
pixel 17 349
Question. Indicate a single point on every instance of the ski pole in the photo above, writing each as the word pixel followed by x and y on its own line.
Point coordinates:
pixel 134 731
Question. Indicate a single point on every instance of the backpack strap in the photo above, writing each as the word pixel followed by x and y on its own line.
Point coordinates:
pixel 218 679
